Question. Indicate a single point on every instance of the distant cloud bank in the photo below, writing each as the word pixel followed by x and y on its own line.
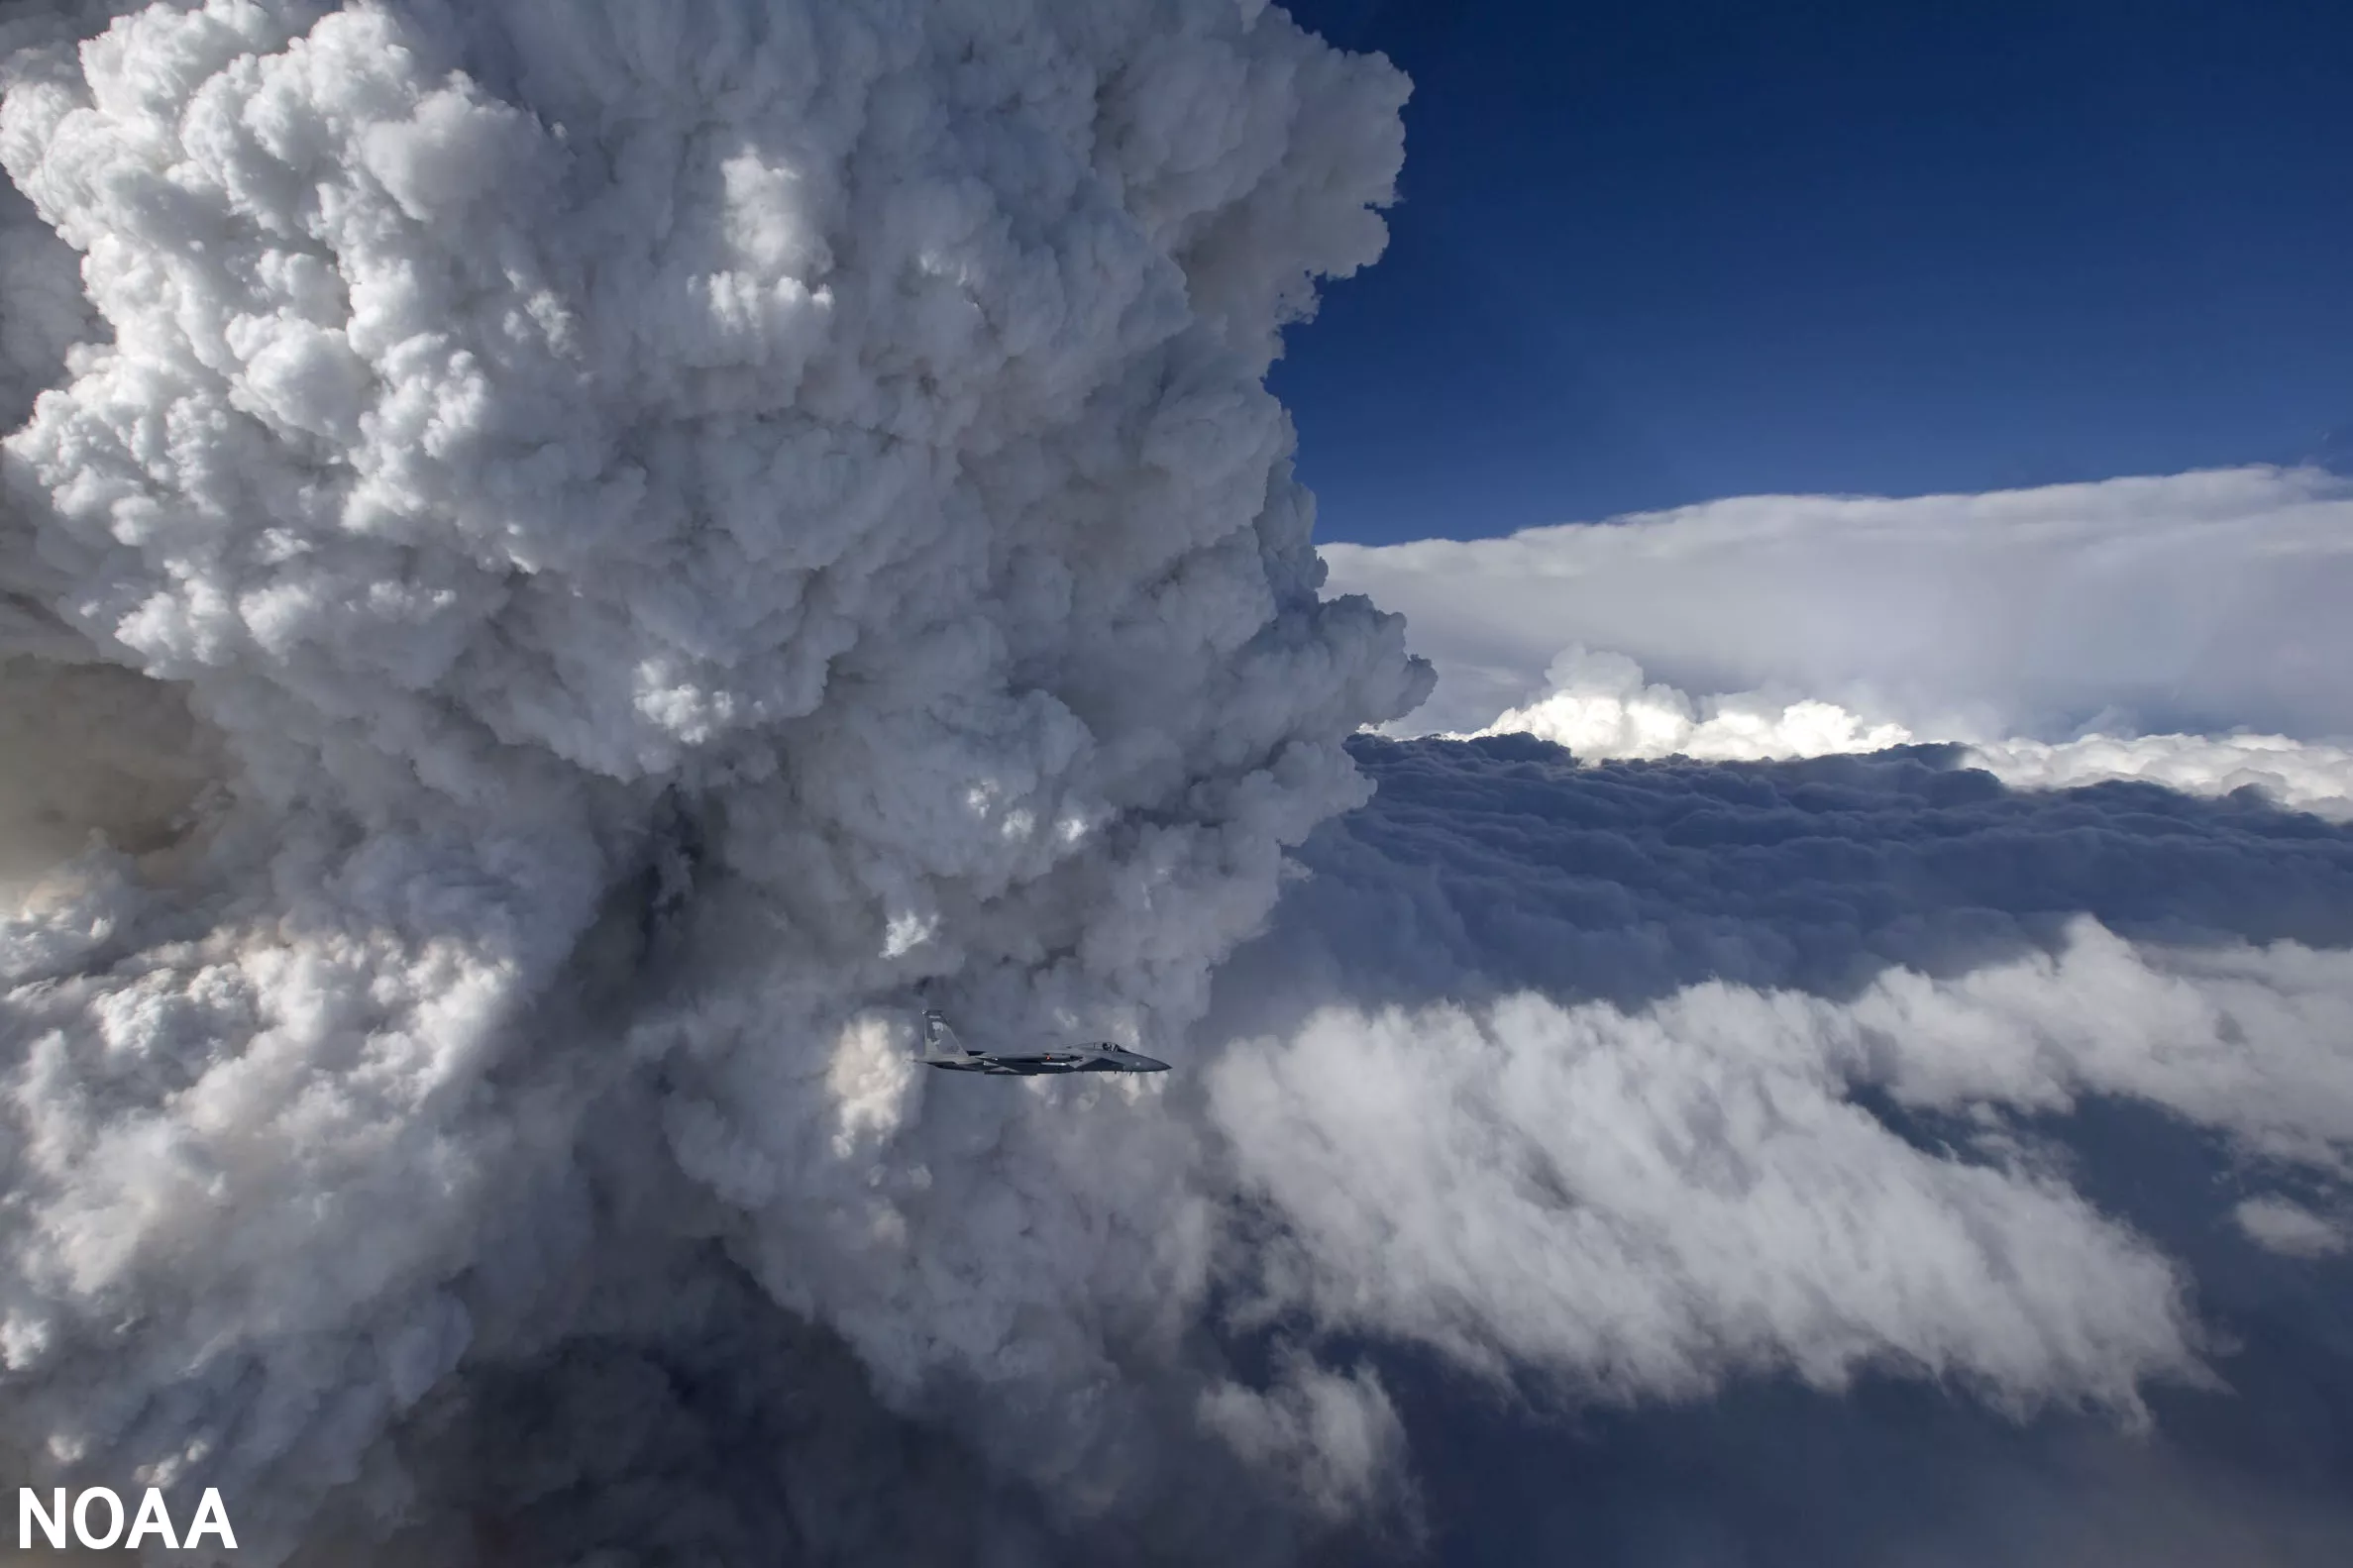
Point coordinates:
pixel 2203 603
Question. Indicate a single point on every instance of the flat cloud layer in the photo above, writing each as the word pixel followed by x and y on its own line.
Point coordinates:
pixel 561 564
pixel 2192 604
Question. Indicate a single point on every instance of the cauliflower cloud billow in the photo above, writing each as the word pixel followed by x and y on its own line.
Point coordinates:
pixel 609 543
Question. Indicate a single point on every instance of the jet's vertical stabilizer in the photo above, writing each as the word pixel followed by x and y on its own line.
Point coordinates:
pixel 939 1041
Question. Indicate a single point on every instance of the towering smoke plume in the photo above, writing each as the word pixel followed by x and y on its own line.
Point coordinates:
pixel 595 548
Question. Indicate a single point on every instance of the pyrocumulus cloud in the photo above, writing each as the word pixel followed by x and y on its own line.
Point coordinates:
pixel 618 540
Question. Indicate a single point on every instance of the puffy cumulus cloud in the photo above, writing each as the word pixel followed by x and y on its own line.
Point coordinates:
pixel 1598 706
pixel 573 556
pixel 2195 603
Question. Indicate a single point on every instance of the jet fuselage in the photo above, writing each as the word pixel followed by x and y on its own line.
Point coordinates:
pixel 1034 1064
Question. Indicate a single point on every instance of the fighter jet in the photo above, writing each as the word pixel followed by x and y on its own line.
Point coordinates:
pixel 942 1049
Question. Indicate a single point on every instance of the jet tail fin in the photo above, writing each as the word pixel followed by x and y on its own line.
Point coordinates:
pixel 939 1041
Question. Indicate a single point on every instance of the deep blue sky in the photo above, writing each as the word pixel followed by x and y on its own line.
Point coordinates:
pixel 1653 252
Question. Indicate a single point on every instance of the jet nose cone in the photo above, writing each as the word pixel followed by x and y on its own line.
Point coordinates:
pixel 1146 1064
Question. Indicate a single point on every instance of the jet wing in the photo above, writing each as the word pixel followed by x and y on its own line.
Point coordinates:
pixel 1038 1060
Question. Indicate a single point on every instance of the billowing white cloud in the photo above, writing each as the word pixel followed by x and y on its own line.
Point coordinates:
pixel 1644 1203
pixel 617 540
pixel 1598 706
